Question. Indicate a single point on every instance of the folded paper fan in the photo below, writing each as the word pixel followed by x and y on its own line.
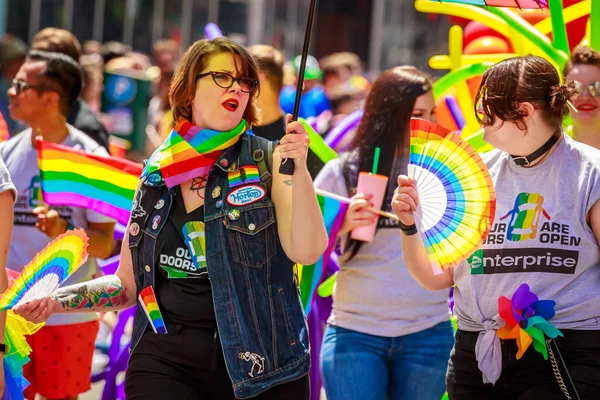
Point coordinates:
pixel 457 201
pixel 48 270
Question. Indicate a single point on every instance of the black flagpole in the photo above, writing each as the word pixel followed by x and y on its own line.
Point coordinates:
pixel 287 166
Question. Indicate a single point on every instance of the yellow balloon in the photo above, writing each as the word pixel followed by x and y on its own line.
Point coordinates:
pixel 570 14
pixel 455 47
pixel 478 14
pixel 444 62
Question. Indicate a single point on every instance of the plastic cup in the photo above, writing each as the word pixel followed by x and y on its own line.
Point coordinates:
pixel 370 184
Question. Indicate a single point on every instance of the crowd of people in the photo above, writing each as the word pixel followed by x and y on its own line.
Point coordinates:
pixel 235 326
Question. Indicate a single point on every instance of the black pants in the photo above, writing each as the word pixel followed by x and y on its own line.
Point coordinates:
pixel 188 363
pixel 531 377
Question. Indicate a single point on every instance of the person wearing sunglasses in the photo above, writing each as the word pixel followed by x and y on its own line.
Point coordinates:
pixel 583 69
pixel 42 93
pixel 213 244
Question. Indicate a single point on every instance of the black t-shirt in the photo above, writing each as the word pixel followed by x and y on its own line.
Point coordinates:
pixel 275 131
pixel 183 288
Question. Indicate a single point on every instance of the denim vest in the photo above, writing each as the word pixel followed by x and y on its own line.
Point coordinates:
pixel 259 316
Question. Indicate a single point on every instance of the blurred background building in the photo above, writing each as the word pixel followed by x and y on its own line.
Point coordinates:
pixel 383 33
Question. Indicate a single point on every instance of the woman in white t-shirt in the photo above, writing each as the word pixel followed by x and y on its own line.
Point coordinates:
pixel 386 335
pixel 545 234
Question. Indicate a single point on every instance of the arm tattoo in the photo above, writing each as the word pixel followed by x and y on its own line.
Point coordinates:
pixel 100 294
pixel 288 182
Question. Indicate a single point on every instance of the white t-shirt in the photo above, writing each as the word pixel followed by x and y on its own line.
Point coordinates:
pixel 22 163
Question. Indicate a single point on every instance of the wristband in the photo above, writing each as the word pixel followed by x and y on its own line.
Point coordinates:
pixel 2 348
pixel 408 230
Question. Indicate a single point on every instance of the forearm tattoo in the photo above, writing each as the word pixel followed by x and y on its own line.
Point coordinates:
pixel 288 182
pixel 100 294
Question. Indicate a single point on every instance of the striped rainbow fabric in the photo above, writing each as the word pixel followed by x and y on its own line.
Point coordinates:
pixel 72 177
pixel 189 152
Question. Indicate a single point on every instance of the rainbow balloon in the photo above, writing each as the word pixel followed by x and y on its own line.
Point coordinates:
pixel 150 305
pixel 457 200
pixel 48 270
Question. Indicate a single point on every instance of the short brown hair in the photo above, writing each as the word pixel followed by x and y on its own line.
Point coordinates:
pixel 522 79
pixel 57 40
pixel 183 86
pixel 582 55
pixel 270 62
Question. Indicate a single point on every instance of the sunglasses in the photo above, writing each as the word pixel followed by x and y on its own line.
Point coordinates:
pixel 20 86
pixel 225 81
pixel 593 88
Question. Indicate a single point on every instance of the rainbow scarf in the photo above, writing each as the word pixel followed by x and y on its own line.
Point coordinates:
pixel 189 152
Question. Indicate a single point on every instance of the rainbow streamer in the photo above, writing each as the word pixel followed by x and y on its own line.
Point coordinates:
pixel 243 176
pixel 189 152
pixel 457 201
pixel 48 269
pixel 72 177
pixel 311 275
pixel 150 305
pixel 526 320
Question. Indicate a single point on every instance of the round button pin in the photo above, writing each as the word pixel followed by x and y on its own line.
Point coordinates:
pixel 155 221
pixel 159 204
pixel 224 163
pixel 219 204
pixel 252 227
pixel 234 214
pixel 134 229
pixel 147 268
pixel 216 192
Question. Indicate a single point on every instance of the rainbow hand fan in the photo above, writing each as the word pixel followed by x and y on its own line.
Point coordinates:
pixel 457 201
pixel 48 270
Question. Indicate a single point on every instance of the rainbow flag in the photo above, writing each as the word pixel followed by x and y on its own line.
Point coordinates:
pixel 72 177
pixel 310 276
pixel 243 176
pixel 150 305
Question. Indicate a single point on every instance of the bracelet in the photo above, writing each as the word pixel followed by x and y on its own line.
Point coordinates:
pixel 408 230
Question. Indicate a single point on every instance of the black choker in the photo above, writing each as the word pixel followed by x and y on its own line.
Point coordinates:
pixel 522 161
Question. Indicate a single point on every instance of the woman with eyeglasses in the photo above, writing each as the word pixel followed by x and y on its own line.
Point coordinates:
pixel 210 247
pixel 545 234
pixel 583 69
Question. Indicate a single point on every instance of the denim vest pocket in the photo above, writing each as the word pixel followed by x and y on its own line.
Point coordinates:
pixel 285 310
pixel 252 236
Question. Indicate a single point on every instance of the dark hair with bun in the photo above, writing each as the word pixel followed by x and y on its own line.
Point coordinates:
pixel 516 80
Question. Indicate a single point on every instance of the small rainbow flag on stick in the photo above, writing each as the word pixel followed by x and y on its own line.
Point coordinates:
pixel 72 177
pixel 150 306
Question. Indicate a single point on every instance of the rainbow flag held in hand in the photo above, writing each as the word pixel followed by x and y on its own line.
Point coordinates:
pixel 310 276
pixel 71 177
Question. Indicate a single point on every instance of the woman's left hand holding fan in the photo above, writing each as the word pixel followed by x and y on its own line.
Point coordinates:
pixel 37 311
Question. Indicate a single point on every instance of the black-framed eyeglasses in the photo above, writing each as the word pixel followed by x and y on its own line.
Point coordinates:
pixel 593 88
pixel 20 86
pixel 225 81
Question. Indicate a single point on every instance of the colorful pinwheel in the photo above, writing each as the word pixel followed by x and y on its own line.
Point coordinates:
pixel 526 320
